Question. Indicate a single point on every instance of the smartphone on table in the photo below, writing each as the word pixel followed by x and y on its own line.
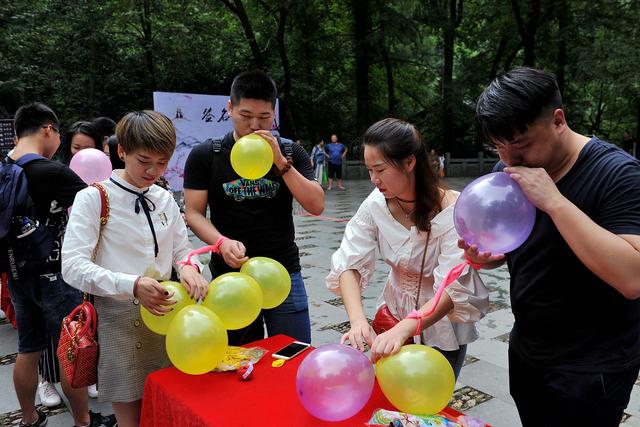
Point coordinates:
pixel 291 350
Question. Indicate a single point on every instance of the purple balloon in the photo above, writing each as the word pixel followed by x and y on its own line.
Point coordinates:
pixel 493 213
pixel 334 382
pixel 91 165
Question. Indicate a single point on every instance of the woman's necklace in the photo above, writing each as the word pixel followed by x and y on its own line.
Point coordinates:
pixel 406 213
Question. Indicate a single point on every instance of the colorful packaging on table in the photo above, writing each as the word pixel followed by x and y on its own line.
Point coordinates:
pixel 386 418
pixel 240 356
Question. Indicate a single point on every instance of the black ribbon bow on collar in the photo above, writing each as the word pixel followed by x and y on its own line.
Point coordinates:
pixel 143 201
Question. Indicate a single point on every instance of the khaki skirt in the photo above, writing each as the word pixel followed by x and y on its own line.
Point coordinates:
pixel 129 351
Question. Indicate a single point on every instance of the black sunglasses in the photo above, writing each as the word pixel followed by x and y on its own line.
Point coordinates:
pixel 55 129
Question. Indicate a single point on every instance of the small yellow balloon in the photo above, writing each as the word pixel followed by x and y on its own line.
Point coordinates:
pixel 251 156
pixel 160 324
pixel 196 340
pixel 236 298
pixel 416 380
pixel 273 278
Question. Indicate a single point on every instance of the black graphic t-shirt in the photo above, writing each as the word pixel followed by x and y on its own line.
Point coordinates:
pixel 52 187
pixel 257 213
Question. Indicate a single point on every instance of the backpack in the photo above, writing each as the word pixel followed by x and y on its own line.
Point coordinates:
pixel 24 241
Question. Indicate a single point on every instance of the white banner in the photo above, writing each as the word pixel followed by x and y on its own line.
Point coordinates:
pixel 196 118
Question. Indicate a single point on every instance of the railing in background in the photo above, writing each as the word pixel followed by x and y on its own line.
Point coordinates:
pixel 454 167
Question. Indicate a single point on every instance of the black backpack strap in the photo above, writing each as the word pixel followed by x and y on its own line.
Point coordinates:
pixel 286 145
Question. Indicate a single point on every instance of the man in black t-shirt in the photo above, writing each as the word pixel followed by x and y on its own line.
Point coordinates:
pixel 253 217
pixel 574 351
pixel 40 297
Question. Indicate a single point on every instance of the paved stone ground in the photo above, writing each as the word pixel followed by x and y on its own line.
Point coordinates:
pixel 482 389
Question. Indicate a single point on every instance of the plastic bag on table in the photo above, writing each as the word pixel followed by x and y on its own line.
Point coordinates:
pixel 240 356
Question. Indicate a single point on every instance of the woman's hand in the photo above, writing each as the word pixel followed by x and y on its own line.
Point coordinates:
pixel 193 282
pixel 359 334
pixel 391 341
pixel 153 296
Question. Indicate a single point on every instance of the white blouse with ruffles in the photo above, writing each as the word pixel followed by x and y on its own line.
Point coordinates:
pixel 373 227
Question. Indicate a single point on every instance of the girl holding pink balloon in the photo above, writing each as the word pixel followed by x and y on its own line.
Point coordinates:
pixel 408 218
pixel 144 237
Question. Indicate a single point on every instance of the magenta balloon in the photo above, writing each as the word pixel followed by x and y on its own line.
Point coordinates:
pixel 493 213
pixel 334 382
pixel 91 165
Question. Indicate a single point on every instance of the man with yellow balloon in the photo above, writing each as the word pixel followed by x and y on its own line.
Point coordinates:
pixel 248 179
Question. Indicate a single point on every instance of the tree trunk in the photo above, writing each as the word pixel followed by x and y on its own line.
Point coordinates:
pixel 391 97
pixel 453 21
pixel 563 29
pixel 238 9
pixel 528 29
pixel 147 41
pixel 362 26
pixel 286 121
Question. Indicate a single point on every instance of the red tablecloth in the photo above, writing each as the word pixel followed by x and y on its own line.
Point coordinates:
pixel 172 398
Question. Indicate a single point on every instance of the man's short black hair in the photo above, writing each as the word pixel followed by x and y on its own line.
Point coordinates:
pixel 105 126
pixel 514 101
pixel 30 118
pixel 253 85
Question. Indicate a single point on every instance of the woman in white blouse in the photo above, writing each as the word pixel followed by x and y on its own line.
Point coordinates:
pixel 145 236
pixel 396 218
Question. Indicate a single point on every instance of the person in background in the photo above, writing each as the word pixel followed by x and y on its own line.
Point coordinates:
pixel 105 127
pixel 317 160
pixel 335 152
pixel 40 296
pixel 79 136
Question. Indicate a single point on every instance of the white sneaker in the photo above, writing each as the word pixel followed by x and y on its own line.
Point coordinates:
pixel 48 394
pixel 92 391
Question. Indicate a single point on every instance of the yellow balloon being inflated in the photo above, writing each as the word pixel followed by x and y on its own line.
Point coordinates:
pixel 196 340
pixel 251 156
pixel 236 298
pixel 273 278
pixel 417 380
pixel 160 324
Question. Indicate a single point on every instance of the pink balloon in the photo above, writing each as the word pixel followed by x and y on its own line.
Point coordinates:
pixel 334 382
pixel 91 165
pixel 493 213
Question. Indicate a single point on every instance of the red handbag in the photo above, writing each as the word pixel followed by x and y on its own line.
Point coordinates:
pixel 384 320
pixel 78 345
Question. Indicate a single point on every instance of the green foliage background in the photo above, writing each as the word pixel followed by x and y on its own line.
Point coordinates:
pixel 339 65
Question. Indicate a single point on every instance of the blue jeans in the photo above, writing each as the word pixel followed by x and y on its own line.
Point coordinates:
pixel 289 318
pixel 455 358
pixel 41 301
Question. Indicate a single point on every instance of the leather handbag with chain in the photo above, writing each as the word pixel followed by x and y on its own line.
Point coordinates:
pixel 384 320
pixel 78 346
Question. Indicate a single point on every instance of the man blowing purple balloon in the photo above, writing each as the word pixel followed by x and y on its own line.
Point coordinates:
pixel 574 350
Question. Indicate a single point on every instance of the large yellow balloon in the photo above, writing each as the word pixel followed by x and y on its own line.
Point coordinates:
pixel 417 380
pixel 272 277
pixel 160 324
pixel 236 298
pixel 251 157
pixel 196 340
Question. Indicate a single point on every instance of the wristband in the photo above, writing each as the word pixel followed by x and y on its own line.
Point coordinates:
pixel 414 314
pixel 216 247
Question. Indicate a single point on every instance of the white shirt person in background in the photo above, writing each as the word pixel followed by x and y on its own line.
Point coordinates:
pixel 145 236
pixel 396 218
